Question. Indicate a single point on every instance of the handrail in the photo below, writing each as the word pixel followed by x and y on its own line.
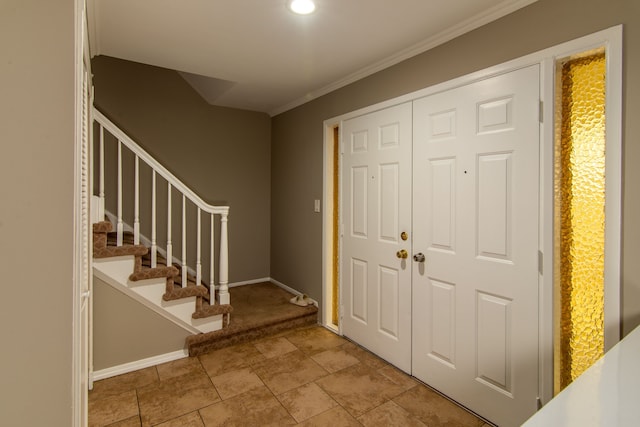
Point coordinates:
pixel 172 183
pixel 136 149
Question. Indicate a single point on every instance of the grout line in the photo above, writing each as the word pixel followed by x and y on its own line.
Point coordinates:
pixel 306 357
pixel 138 403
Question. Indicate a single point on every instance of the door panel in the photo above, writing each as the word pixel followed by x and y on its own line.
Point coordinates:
pixel 475 217
pixel 442 209
pixel 443 322
pixel 359 294
pixel 376 191
pixel 494 178
pixel 494 340
pixel 389 282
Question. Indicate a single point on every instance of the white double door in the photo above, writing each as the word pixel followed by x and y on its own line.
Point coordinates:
pixel 458 172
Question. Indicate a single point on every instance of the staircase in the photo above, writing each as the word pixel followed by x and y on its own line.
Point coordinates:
pixel 186 289
pixel 176 288
pixel 128 267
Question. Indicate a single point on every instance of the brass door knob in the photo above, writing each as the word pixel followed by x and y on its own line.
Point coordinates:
pixel 402 254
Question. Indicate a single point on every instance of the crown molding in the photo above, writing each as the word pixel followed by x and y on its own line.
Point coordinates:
pixel 463 27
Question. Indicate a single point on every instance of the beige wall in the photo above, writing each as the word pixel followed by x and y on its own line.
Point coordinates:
pixel 126 331
pixel 223 154
pixel 36 211
pixel 296 232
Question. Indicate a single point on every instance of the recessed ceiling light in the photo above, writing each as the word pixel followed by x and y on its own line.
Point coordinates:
pixel 302 7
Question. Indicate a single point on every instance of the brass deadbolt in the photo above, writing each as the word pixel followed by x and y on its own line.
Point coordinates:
pixel 404 235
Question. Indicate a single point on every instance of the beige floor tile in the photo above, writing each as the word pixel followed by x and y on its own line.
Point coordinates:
pixel 190 420
pixel 106 411
pixel 397 376
pixel 129 422
pixel 364 356
pixel 234 383
pixel 175 397
pixel 306 401
pixel 314 340
pixel 176 368
pixel 230 359
pixel 334 359
pixel 121 383
pixel 288 371
pixel 336 417
pixel 434 410
pixel 257 407
pixel 274 347
pixel 359 388
pixel 389 415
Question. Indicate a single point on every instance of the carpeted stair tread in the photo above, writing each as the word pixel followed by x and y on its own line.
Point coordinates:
pixel 207 310
pixel 235 334
pixel 102 227
pixel 114 251
pixel 189 291
pixel 153 273
pixel 105 242
pixel 102 248
pixel 259 310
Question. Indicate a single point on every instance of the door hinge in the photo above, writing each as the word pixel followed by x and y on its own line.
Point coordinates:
pixel 541 112
pixel 540 263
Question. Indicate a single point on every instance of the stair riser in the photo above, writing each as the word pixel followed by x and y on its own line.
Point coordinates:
pixel 119 268
pixel 116 271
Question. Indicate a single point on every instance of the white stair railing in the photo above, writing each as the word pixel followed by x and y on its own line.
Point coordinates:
pixel 173 183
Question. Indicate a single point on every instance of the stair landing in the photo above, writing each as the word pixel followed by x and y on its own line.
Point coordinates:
pixel 259 310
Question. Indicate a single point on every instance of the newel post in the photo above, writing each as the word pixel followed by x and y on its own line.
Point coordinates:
pixel 223 291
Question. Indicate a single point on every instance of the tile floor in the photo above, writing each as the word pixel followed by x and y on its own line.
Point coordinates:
pixel 307 377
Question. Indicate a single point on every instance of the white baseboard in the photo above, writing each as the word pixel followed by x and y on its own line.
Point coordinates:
pixel 139 364
pixel 290 290
pixel 249 282
pixel 271 280
pixel 180 354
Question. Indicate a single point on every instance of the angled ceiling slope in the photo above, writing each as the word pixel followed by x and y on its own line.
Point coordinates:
pixel 257 55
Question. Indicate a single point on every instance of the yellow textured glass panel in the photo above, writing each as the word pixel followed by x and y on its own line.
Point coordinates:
pixel 580 198
pixel 336 226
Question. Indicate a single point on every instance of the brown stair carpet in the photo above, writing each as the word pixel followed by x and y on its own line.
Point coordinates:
pixel 260 310
pixel 105 245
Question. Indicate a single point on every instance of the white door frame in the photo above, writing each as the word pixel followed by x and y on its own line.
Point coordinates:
pixel 81 337
pixel 609 39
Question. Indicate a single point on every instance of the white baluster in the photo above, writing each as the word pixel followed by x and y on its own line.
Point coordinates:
pixel 198 254
pixel 169 244
pixel 212 284
pixel 136 204
pixel 184 241
pixel 224 261
pixel 172 182
pixel 101 179
pixel 154 243
pixel 119 227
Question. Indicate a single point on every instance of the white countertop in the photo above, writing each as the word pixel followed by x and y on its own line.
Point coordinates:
pixel 606 394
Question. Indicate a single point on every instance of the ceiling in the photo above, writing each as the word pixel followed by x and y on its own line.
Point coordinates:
pixel 257 55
